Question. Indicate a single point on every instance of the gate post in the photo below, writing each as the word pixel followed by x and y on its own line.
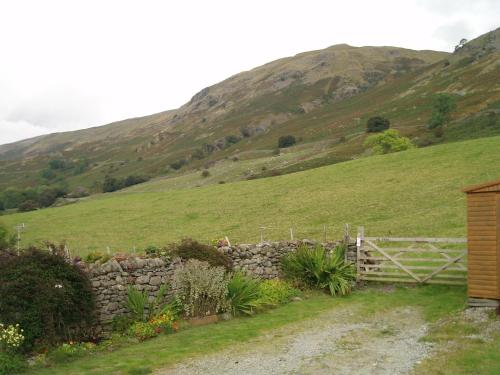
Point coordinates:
pixel 360 239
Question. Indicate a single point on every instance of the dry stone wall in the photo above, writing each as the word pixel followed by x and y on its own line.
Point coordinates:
pixel 111 280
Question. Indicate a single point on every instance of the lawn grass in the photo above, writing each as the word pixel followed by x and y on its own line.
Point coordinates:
pixel 410 193
pixel 465 348
pixel 434 301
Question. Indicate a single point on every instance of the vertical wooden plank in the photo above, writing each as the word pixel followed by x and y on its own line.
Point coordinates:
pixel 497 202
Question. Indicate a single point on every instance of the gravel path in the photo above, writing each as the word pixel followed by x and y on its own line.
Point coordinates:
pixel 335 343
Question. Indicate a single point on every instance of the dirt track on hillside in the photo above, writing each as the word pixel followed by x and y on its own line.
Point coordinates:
pixel 334 343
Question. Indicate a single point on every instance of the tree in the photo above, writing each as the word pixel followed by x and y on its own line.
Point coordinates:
pixel 29 205
pixel 460 44
pixel 377 124
pixel 111 184
pixel 286 141
pixel 387 142
pixel 442 107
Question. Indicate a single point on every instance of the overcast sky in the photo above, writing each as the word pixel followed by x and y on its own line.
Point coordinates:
pixel 71 64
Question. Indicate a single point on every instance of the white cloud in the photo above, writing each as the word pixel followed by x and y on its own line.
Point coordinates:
pixel 70 64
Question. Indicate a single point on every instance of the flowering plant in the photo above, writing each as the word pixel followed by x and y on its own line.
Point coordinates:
pixel 11 337
pixel 164 323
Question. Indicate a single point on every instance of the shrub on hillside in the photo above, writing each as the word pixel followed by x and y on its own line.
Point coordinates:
pixel 50 299
pixel 387 142
pixel 442 106
pixel 317 268
pixel 201 288
pixel 205 173
pixel 286 141
pixel 191 249
pixel 178 164
pixel 377 124
pixel 28 206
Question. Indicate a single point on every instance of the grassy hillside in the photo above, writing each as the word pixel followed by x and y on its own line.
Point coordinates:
pixel 415 192
pixel 323 98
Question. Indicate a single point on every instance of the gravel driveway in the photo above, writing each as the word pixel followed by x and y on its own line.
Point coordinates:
pixel 334 343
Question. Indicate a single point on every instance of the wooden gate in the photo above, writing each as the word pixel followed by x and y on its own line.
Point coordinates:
pixel 412 260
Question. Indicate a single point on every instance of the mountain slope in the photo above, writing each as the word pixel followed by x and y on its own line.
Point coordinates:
pixel 322 97
pixel 415 192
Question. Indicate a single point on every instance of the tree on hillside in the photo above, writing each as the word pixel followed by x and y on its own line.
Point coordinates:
pixel 377 124
pixel 387 142
pixel 442 107
pixel 286 141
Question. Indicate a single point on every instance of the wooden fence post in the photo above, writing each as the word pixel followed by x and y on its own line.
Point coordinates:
pixel 360 239
pixel 291 234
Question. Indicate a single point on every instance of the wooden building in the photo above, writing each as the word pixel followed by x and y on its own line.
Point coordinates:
pixel 483 240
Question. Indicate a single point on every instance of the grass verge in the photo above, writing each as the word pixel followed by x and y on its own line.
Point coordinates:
pixel 435 302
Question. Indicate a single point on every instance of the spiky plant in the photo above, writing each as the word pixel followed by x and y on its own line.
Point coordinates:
pixel 318 268
pixel 243 294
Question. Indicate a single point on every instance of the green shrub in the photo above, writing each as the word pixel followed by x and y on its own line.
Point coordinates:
pixel 243 294
pixel 191 249
pixel 317 268
pixel 377 124
pixel 201 288
pixel 11 363
pixel 387 142
pixel 142 331
pixel 205 173
pixel 27 206
pixel 49 298
pixel 276 292
pixel 286 141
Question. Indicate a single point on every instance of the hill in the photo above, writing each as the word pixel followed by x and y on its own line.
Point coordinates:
pixel 231 129
pixel 415 192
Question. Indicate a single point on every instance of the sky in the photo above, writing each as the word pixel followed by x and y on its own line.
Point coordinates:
pixel 69 64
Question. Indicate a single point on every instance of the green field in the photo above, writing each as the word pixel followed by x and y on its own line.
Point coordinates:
pixel 416 192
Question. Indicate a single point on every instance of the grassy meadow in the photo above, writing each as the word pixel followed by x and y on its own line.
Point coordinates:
pixel 416 192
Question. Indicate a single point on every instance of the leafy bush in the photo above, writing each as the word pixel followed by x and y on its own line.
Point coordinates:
pixel 143 331
pixel 11 363
pixel 442 106
pixel 205 173
pixel 232 139
pixel 27 206
pixel 202 288
pixel 286 141
pixel 276 292
pixel 191 249
pixel 111 184
pixel 51 299
pixel 243 294
pixel 178 164
pixel 316 268
pixel 377 124
pixel 387 142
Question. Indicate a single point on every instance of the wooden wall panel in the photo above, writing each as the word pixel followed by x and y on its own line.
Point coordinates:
pixel 482 233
